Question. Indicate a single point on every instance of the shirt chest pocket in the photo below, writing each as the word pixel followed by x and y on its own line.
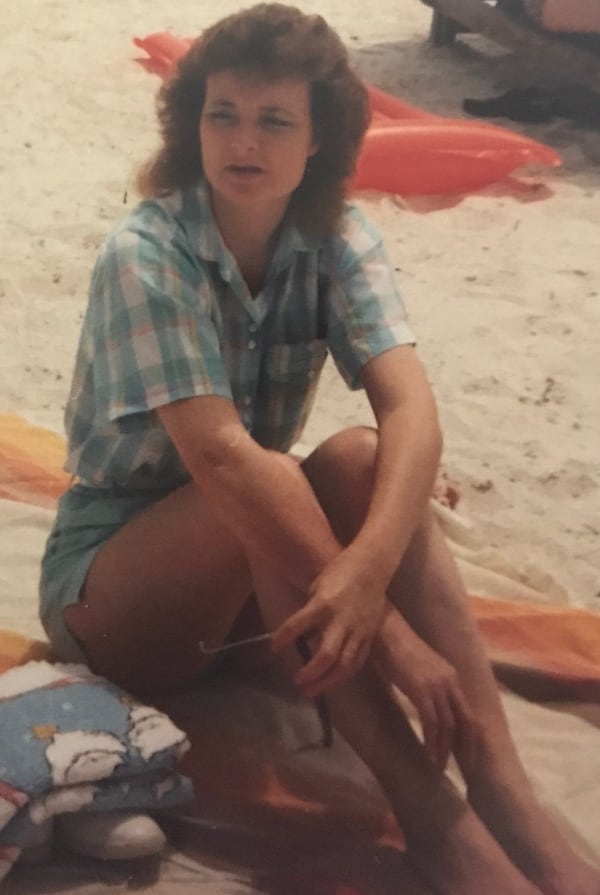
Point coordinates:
pixel 290 374
pixel 295 366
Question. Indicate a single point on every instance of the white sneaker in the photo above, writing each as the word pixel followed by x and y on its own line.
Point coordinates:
pixel 109 835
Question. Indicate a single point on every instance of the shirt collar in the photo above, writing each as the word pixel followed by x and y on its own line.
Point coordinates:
pixel 201 225
pixel 202 228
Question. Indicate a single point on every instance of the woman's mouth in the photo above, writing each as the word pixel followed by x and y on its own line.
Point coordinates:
pixel 244 170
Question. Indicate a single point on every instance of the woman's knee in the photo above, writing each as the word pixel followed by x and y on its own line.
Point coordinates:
pixel 341 473
pixel 348 457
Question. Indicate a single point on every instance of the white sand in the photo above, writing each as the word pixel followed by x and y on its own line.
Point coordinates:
pixel 504 295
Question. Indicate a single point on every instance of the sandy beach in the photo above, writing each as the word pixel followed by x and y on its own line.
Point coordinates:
pixel 503 291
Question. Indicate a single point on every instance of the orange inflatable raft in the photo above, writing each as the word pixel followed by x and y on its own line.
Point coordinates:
pixel 407 151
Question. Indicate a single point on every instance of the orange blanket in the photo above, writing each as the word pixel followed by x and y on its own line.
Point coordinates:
pixel 31 462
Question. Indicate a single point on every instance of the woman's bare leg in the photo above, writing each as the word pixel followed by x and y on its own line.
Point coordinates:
pixel 430 594
pixel 432 598
pixel 447 843
pixel 173 576
pixel 450 846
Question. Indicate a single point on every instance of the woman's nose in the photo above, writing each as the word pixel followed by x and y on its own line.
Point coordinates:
pixel 245 139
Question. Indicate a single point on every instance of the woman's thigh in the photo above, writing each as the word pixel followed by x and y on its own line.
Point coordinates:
pixel 174 575
pixel 171 577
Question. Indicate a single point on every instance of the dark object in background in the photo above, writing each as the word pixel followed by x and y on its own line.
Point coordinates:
pixel 520 104
pixel 538 105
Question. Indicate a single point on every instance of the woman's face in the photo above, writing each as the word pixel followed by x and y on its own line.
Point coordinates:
pixel 256 137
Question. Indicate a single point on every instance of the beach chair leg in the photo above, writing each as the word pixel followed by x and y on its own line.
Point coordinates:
pixel 443 30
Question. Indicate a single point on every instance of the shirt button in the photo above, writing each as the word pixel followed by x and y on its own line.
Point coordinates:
pixel 247 401
pixel 251 344
pixel 253 327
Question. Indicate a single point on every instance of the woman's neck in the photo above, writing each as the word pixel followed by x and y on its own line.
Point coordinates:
pixel 249 234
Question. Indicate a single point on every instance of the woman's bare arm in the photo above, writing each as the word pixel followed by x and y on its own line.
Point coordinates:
pixel 265 500
pixel 260 495
pixel 408 453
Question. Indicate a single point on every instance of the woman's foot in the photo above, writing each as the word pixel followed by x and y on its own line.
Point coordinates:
pixel 463 859
pixel 519 824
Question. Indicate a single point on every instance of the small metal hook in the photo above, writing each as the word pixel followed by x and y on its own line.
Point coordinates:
pixel 212 650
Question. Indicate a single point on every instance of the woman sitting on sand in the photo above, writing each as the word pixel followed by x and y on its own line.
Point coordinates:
pixel 211 311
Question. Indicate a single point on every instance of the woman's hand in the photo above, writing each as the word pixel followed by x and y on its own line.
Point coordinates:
pixel 344 611
pixel 431 684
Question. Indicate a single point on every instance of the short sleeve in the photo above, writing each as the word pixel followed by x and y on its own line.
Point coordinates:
pixel 153 337
pixel 366 312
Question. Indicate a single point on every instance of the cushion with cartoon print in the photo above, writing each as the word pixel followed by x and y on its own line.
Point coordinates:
pixel 72 741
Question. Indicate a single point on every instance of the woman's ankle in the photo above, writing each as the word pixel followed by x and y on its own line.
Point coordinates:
pixel 492 761
pixel 464 858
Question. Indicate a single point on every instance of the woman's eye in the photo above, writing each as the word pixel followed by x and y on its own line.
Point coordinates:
pixel 269 122
pixel 220 117
pixel 275 123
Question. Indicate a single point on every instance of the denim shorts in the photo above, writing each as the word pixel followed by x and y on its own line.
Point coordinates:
pixel 87 517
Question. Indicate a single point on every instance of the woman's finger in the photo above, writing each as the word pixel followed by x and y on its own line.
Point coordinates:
pixel 335 678
pixel 351 653
pixel 338 674
pixel 325 657
pixel 295 626
pixel 467 734
pixel 363 655
pixel 429 725
pixel 446 730
pixel 352 658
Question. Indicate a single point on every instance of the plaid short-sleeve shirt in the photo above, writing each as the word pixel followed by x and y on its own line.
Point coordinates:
pixel 169 316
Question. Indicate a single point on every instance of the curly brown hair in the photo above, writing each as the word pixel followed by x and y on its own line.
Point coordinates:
pixel 275 41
